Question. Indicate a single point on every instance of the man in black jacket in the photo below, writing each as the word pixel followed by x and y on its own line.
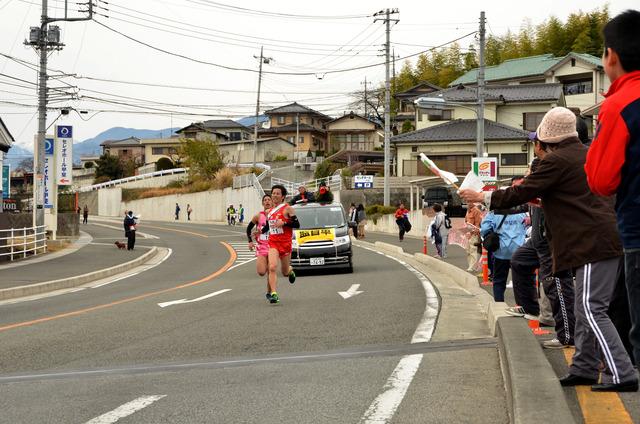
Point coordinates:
pixel 130 230
pixel 303 196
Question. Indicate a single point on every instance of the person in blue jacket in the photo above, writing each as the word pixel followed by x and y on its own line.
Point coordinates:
pixel 512 234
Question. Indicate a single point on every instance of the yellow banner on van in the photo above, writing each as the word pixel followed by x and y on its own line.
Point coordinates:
pixel 325 234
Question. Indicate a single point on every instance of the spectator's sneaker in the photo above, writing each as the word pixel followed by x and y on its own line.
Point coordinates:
pixel 292 276
pixel 274 298
pixel 515 311
pixel 537 318
pixel 553 344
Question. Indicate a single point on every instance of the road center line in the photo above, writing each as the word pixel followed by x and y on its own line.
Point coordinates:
pixel 232 258
pixel 125 410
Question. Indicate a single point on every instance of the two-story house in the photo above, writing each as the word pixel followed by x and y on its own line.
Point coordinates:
pixel 156 148
pixel 581 75
pixel 216 130
pixel 353 132
pixel 127 148
pixel 448 136
pixel 289 120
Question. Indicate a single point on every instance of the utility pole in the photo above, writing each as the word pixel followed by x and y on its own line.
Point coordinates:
pixel 480 125
pixel 366 99
pixel 255 128
pixel 45 39
pixel 387 98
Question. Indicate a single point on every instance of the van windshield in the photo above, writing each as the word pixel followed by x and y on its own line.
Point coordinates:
pixel 323 217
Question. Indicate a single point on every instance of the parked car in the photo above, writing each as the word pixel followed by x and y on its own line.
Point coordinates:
pixel 447 197
pixel 322 241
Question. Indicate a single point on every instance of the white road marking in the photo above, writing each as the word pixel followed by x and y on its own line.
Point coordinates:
pixel 138 233
pixel 243 254
pixel 386 404
pixel 104 282
pixel 353 291
pixel 125 410
pixel 180 301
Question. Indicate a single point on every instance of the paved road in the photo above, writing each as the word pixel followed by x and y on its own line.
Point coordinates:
pixel 232 357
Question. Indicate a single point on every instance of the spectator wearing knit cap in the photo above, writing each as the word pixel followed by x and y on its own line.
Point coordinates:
pixel 584 237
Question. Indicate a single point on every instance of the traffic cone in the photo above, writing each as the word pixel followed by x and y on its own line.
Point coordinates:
pixel 424 245
pixel 534 325
pixel 485 268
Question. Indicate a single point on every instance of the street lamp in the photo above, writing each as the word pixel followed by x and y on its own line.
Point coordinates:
pixel 439 103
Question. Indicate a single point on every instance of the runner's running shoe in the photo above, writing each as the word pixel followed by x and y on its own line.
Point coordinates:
pixel 274 297
pixel 292 276
pixel 268 296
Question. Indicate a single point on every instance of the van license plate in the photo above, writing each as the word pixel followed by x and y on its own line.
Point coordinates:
pixel 316 261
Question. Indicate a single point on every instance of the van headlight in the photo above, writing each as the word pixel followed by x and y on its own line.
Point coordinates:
pixel 339 241
pixel 294 244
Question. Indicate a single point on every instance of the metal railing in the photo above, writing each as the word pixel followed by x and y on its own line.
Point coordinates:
pixel 248 180
pixel 114 183
pixel 334 182
pixel 22 242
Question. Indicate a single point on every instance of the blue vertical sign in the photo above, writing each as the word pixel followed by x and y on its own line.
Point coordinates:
pixel 48 171
pixel 6 182
pixel 63 147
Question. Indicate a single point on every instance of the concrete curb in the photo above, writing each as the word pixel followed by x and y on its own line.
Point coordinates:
pixel 529 379
pixel 65 283
pixel 528 376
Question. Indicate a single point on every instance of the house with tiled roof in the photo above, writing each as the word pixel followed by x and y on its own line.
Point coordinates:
pixel 216 130
pixel 581 75
pixel 126 148
pixel 288 120
pixel 452 144
pixel 406 110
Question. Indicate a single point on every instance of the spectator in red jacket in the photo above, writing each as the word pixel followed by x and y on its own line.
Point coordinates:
pixel 402 218
pixel 613 161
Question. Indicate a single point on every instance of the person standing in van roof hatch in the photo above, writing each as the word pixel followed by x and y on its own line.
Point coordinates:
pixel 281 220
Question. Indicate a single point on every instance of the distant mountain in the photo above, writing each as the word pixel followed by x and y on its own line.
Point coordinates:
pixel 91 146
pixel 250 120
pixel 15 155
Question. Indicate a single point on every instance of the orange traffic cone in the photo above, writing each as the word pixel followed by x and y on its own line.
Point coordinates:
pixel 534 325
pixel 485 269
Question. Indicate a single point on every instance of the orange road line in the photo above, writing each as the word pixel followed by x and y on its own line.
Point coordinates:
pixel 599 407
pixel 177 231
pixel 232 257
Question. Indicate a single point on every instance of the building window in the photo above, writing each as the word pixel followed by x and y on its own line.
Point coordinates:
pixel 514 159
pixel 419 114
pixel 234 136
pixel 578 87
pixel 414 149
pixel 301 139
pixel 281 120
pixel 531 120
pixel 292 139
pixel 439 115
pixel 409 168
pixel 156 150
pixel 573 62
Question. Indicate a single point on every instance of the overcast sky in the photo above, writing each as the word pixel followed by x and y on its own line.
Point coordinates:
pixel 213 33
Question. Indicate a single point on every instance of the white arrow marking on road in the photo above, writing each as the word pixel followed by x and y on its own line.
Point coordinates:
pixel 353 291
pixel 125 410
pixel 179 301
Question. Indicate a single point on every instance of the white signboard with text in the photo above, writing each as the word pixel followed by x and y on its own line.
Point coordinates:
pixel 64 154
pixel 363 181
pixel 485 168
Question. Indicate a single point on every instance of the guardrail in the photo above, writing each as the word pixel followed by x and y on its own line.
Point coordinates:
pixel 334 182
pixel 23 241
pixel 248 180
pixel 114 183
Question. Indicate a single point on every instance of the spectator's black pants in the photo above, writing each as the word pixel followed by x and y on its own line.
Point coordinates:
pixel 400 223
pixel 354 226
pixel 131 239
pixel 524 263
pixel 500 275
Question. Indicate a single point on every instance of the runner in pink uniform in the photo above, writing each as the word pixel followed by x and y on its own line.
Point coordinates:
pixel 261 243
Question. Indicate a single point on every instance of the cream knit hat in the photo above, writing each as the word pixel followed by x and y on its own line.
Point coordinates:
pixel 558 124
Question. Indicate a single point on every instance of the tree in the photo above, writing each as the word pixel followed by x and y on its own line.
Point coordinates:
pixel 407 126
pixel 203 157
pixel 88 165
pixel 110 167
pixel 26 164
pixel 375 102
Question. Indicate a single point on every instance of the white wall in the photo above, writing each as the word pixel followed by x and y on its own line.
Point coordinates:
pixel 160 181
pixel 206 205
pixel 110 202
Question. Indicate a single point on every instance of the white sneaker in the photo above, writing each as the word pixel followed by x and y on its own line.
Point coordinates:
pixel 515 311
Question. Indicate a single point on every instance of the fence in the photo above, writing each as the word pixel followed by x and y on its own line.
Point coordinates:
pixel 334 182
pixel 134 178
pixel 21 242
pixel 248 180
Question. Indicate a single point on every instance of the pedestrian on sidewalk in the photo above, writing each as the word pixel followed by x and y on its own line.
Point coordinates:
pixel 440 230
pixel 473 219
pixel 177 211
pixel 189 210
pixel 241 213
pixel 402 220
pixel 352 219
pixel 613 161
pixel 362 220
pixel 85 215
pixel 130 229
pixel 584 237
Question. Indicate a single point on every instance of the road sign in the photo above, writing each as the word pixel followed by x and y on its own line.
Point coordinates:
pixel 485 168
pixel 63 147
pixel 6 181
pixel 363 181
pixel 48 171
